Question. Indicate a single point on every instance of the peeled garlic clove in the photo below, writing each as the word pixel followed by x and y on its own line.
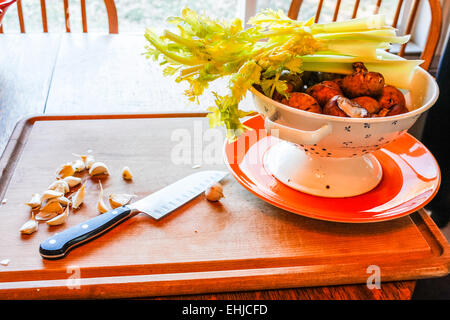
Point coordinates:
pixel 51 207
pixel 50 194
pixel 126 173
pixel 30 226
pixel 35 201
pixel 98 168
pixel 72 181
pixel 89 161
pixel 78 197
pixel 214 192
pixel 101 206
pixel 65 170
pixel 59 219
pixel 78 165
pixel 117 200
pixel 60 186
pixel 61 200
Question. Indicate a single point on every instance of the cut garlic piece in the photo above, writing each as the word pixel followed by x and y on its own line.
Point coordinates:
pixel 35 201
pixel 78 197
pixel 50 194
pixel 60 186
pixel 126 173
pixel 214 192
pixel 117 200
pixel 61 200
pixel 98 168
pixel 78 165
pixel 59 219
pixel 89 161
pixel 50 207
pixel 72 181
pixel 65 170
pixel 30 226
pixel 101 206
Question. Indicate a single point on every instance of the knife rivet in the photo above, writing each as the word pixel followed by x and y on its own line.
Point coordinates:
pixel 52 241
pixel 85 226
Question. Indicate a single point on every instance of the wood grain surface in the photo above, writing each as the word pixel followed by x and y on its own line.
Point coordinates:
pixel 239 244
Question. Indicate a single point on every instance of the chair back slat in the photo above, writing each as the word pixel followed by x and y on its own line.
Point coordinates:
pixel 397 13
pixel 319 9
pixel 409 25
pixel 83 15
pixel 355 9
pixel 112 16
pixel 336 10
pixel 20 13
pixel 66 15
pixel 44 16
pixel 294 9
pixel 377 7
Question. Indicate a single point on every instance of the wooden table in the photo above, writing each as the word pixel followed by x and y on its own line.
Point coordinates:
pixel 85 74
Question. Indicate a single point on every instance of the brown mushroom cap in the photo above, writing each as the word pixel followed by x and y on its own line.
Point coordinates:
pixel 304 102
pixel 324 91
pixel 343 107
pixel 368 103
pixel 391 96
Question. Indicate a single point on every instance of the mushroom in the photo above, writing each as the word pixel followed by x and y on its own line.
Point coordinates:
pixel 304 102
pixel 362 82
pixel 368 103
pixel 390 97
pixel 343 107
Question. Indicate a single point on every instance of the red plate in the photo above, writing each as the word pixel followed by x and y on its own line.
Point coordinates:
pixel 411 178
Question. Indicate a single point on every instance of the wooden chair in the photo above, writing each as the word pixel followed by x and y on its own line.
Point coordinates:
pixel 433 33
pixel 110 9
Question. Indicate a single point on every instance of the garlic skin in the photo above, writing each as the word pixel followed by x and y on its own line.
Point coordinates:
pixel 101 206
pixel 72 181
pixel 98 168
pixel 61 200
pixel 126 173
pixel 78 197
pixel 35 201
pixel 214 192
pixel 50 194
pixel 60 186
pixel 78 165
pixel 60 219
pixel 89 161
pixel 119 199
pixel 65 170
pixel 49 210
pixel 30 226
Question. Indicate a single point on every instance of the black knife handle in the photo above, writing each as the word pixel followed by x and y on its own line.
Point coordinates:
pixel 60 244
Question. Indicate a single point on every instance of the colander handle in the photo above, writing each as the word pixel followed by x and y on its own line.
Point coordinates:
pixel 298 136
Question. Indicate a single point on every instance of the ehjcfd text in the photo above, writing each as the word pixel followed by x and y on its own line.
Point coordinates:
pixel 230 309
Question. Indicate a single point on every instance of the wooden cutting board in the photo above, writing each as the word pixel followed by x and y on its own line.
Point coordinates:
pixel 240 243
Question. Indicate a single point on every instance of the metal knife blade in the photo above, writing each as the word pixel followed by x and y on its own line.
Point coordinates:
pixel 157 205
pixel 166 200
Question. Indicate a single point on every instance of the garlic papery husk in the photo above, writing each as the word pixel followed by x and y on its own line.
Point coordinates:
pixel 78 165
pixel 50 194
pixel 214 192
pixel 119 199
pixel 126 173
pixel 72 181
pixel 60 185
pixel 98 168
pixel 30 226
pixel 78 197
pixel 59 219
pixel 49 210
pixel 101 205
pixel 65 170
pixel 35 201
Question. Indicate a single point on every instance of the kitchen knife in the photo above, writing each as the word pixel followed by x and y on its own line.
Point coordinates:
pixel 156 205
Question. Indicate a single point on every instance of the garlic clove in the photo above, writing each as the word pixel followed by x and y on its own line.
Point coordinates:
pixel 30 226
pixel 119 199
pixel 59 219
pixel 35 201
pixel 60 186
pixel 214 192
pixel 72 181
pixel 98 168
pixel 126 173
pixel 89 161
pixel 61 200
pixel 65 170
pixel 78 165
pixel 50 194
pixel 51 206
pixel 101 206
pixel 78 197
